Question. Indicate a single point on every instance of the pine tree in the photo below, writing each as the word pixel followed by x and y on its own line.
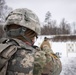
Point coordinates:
pixel 47 18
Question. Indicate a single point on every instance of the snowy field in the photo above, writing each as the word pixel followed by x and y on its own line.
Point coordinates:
pixel 68 66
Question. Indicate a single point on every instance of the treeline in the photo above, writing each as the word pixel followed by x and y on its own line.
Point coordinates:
pixel 50 26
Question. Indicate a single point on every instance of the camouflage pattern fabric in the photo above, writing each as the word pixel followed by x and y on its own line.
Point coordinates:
pixel 53 64
pixel 26 61
pixel 21 63
pixel 4 69
pixel 25 18
pixel 46 47
pixel 39 62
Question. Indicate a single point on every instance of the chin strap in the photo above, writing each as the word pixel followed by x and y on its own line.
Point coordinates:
pixel 29 40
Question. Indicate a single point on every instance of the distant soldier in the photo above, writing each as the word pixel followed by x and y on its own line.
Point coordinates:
pixel 53 64
pixel 45 42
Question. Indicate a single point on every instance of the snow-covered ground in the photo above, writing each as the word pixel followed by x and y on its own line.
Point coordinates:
pixel 68 66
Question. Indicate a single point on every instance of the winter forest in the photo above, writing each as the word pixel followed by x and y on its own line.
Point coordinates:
pixel 48 27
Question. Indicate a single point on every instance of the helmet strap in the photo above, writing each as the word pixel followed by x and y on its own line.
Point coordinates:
pixel 27 39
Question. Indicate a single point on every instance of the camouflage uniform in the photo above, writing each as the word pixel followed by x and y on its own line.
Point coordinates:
pixel 27 60
pixel 21 63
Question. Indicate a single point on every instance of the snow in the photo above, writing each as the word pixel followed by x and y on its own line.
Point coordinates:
pixel 68 66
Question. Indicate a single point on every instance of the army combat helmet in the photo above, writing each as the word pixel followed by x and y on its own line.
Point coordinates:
pixel 25 18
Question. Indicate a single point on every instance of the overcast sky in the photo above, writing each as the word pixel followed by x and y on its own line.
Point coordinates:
pixel 58 8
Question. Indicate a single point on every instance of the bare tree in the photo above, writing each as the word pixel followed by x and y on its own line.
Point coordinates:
pixel 47 18
pixel 64 27
pixel 47 28
pixel 74 27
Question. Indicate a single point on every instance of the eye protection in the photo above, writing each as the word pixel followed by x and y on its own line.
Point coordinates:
pixel 16 32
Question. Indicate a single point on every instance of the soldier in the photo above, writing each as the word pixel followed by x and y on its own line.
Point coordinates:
pixel 22 27
pixel 45 42
pixel 20 56
pixel 53 64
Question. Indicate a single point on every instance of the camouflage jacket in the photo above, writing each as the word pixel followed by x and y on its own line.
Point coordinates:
pixel 28 60
pixel 21 63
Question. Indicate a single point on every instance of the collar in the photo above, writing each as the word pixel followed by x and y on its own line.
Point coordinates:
pixel 23 44
pixel 28 43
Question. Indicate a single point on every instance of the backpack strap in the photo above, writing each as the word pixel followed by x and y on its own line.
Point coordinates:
pixel 6 51
pixel 3 40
